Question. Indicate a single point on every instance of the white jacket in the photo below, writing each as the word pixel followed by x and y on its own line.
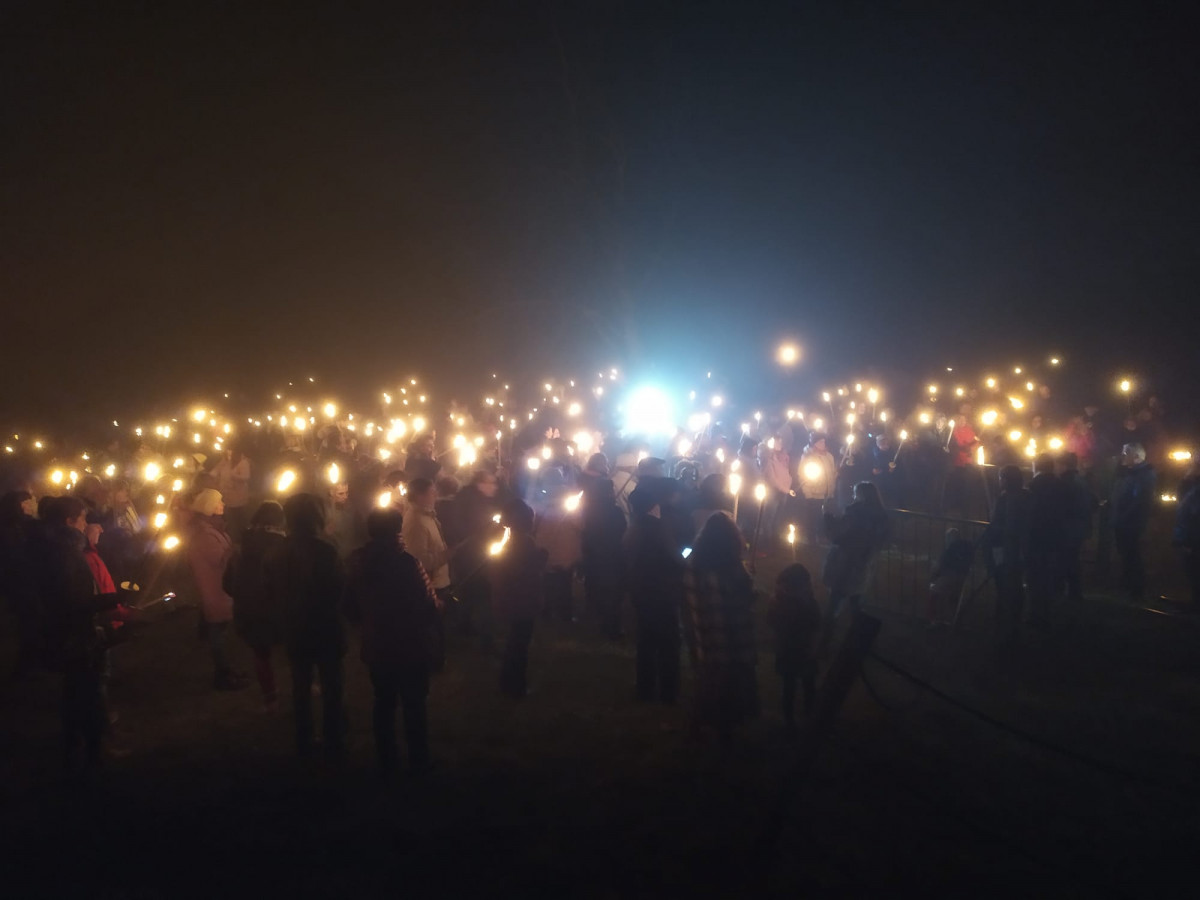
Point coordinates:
pixel 818 474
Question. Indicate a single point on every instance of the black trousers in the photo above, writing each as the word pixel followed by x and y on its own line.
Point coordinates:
pixel 1042 578
pixel 84 717
pixel 556 588
pixel 1133 569
pixel 658 646
pixel 1010 602
pixel 516 657
pixel 409 687
pixel 328 667
pixel 805 676
pixel 1072 570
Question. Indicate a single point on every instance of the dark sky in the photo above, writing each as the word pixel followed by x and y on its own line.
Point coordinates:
pixel 202 196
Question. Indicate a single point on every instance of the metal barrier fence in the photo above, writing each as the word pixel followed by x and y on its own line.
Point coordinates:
pixel 902 570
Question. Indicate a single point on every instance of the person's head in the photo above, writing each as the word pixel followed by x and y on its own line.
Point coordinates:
pixel 1011 478
pixel 421 446
pixel 268 516
pixel 651 467
pixel 339 493
pixel 1069 462
pixel 597 464
pixel 208 502
pixel 446 487
pixel 304 515
pixel 817 441
pixel 964 412
pixel 1036 423
pixel 485 482
pixel 518 516
pixel 712 491
pixel 46 507
pixel 1043 464
pixel 883 442
pixel 794 581
pixel 71 512
pixel 719 545
pixel 866 492
pixel 1133 454
pixel 90 489
pixel 384 525
pixel 951 536
pixel 941 422
pixel 421 493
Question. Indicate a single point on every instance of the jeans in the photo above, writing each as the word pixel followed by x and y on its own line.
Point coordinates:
pixel 409 686
pixel 516 657
pixel 328 665
pixel 658 656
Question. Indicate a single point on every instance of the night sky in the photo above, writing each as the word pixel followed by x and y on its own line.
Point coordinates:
pixel 218 198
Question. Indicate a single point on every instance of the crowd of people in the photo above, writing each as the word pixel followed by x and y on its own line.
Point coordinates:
pixel 406 546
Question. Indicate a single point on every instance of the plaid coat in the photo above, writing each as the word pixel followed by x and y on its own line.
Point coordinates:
pixel 720 631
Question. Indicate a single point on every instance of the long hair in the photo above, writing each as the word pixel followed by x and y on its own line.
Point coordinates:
pixel 867 493
pixel 304 515
pixel 719 546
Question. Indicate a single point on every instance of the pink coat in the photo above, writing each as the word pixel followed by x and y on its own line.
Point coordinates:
pixel 209 551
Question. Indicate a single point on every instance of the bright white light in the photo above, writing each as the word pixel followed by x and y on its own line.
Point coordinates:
pixel 697 422
pixel 649 411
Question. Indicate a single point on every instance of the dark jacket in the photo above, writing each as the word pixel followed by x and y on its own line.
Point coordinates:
pixel 653 568
pixel 304 581
pixel 1006 540
pixel 857 536
pixel 516 577
pixel 470 521
pixel 1133 498
pixel 389 593
pixel 70 600
pixel 1048 510
pixel 256 618
pixel 796 622
pixel 955 560
pixel 603 529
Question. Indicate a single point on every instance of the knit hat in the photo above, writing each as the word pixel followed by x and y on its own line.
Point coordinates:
pixel 206 502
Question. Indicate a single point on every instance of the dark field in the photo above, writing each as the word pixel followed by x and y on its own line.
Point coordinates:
pixel 578 791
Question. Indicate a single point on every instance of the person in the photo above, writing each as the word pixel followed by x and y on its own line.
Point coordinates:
pixel 1186 538
pixel 71 600
pixel 1006 542
pixel 341 529
pixel 856 536
pixel 777 475
pixel 232 474
pixel 474 508
pixel 424 539
pixel 420 463
pixel 304 581
pixel 1047 531
pixel 603 528
pixel 818 481
pixel 1077 523
pixel 795 619
pixel 22 538
pixel 719 596
pixel 713 497
pixel 655 579
pixel 256 621
pixel 559 531
pixel 883 468
pixel 516 576
pixel 948 577
pixel 963 441
pixel 120 547
pixel 1132 503
pixel 209 552
pixel 389 594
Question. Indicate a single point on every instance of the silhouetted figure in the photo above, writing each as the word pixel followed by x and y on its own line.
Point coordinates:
pixel 305 581
pixel 1077 526
pixel 795 619
pixel 654 573
pixel 516 575
pixel 720 628
pixel 856 536
pixel 255 617
pixel 1186 537
pixel 948 577
pixel 388 592
pixel 1132 503
pixel 603 528
pixel 1006 542
pixel 1047 531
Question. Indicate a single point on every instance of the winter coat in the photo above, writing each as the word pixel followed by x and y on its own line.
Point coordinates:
pixel 1049 505
pixel 857 536
pixel 304 582
pixel 388 592
pixel 209 552
pixel 516 578
pixel 560 534
pixel 259 623
pixel 1006 539
pixel 796 623
pixel 422 533
pixel 654 570
pixel 70 599
pixel 818 474
pixel 1081 509
pixel 720 635
pixel 603 529
pixel 1133 498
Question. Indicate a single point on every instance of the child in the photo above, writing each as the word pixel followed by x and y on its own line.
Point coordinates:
pixel 948 576
pixel 795 618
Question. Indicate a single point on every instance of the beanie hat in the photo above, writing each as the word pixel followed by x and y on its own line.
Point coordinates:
pixel 206 502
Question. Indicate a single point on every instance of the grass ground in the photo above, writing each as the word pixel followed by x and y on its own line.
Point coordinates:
pixel 578 791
